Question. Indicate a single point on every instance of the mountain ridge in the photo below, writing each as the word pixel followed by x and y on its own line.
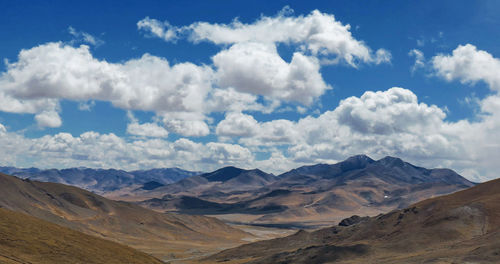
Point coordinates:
pixel 101 180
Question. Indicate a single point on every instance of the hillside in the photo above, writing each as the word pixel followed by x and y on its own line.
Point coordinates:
pixel 26 239
pixel 462 227
pixel 168 236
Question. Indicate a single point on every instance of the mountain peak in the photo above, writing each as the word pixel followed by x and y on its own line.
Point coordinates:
pixel 223 174
pixel 360 157
pixel 391 161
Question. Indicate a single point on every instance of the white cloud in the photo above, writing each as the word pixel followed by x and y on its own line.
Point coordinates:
pixel 146 130
pixel 48 73
pixel 48 119
pixel 237 125
pixel 93 149
pixel 188 128
pixel 86 106
pixel 382 56
pixel 223 154
pixel 84 37
pixel 469 65
pixel 159 29
pixel 229 99
pixel 419 59
pixel 258 69
pixel 392 111
pixel 319 33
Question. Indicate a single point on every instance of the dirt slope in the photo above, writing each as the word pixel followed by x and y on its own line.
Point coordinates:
pixel 26 239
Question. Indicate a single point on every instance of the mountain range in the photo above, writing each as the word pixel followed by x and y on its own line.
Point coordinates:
pixel 103 180
pixel 309 196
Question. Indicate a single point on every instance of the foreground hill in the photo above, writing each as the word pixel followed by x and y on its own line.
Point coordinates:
pixel 168 236
pixel 26 239
pixel 103 180
pixel 462 227
pixel 318 195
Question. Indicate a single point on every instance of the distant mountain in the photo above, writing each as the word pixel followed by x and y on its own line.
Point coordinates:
pixel 320 194
pixel 165 235
pixel 220 182
pixel 463 227
pixel 27 239
pixel 101 180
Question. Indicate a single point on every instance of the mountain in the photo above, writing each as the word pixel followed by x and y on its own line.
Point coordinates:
pixel 225 184
pixel 26 239
pixel 166 236
pixel 101 180
pixel 463 227
pixel 314 196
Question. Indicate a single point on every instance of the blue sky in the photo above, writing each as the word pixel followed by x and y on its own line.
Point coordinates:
pixel 275 85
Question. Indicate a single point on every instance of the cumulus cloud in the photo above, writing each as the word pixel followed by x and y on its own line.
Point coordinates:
pixel 145 129
pixel 469 65
pixel 319 33
pixel 248 71
pixel 51 72
pixel 188 128
pixel 258 69
pixel 93 149
pixel 48 119
pixel 228 99
pixel 392 111
pixel 237 125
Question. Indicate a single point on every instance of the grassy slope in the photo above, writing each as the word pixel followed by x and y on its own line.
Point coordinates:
pixel 26 239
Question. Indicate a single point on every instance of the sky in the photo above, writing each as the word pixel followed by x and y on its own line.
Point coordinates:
pixel 255 84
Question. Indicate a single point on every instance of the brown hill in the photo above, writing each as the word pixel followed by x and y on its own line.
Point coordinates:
pixel 26 239
pixel 168 236
pixel 462 227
